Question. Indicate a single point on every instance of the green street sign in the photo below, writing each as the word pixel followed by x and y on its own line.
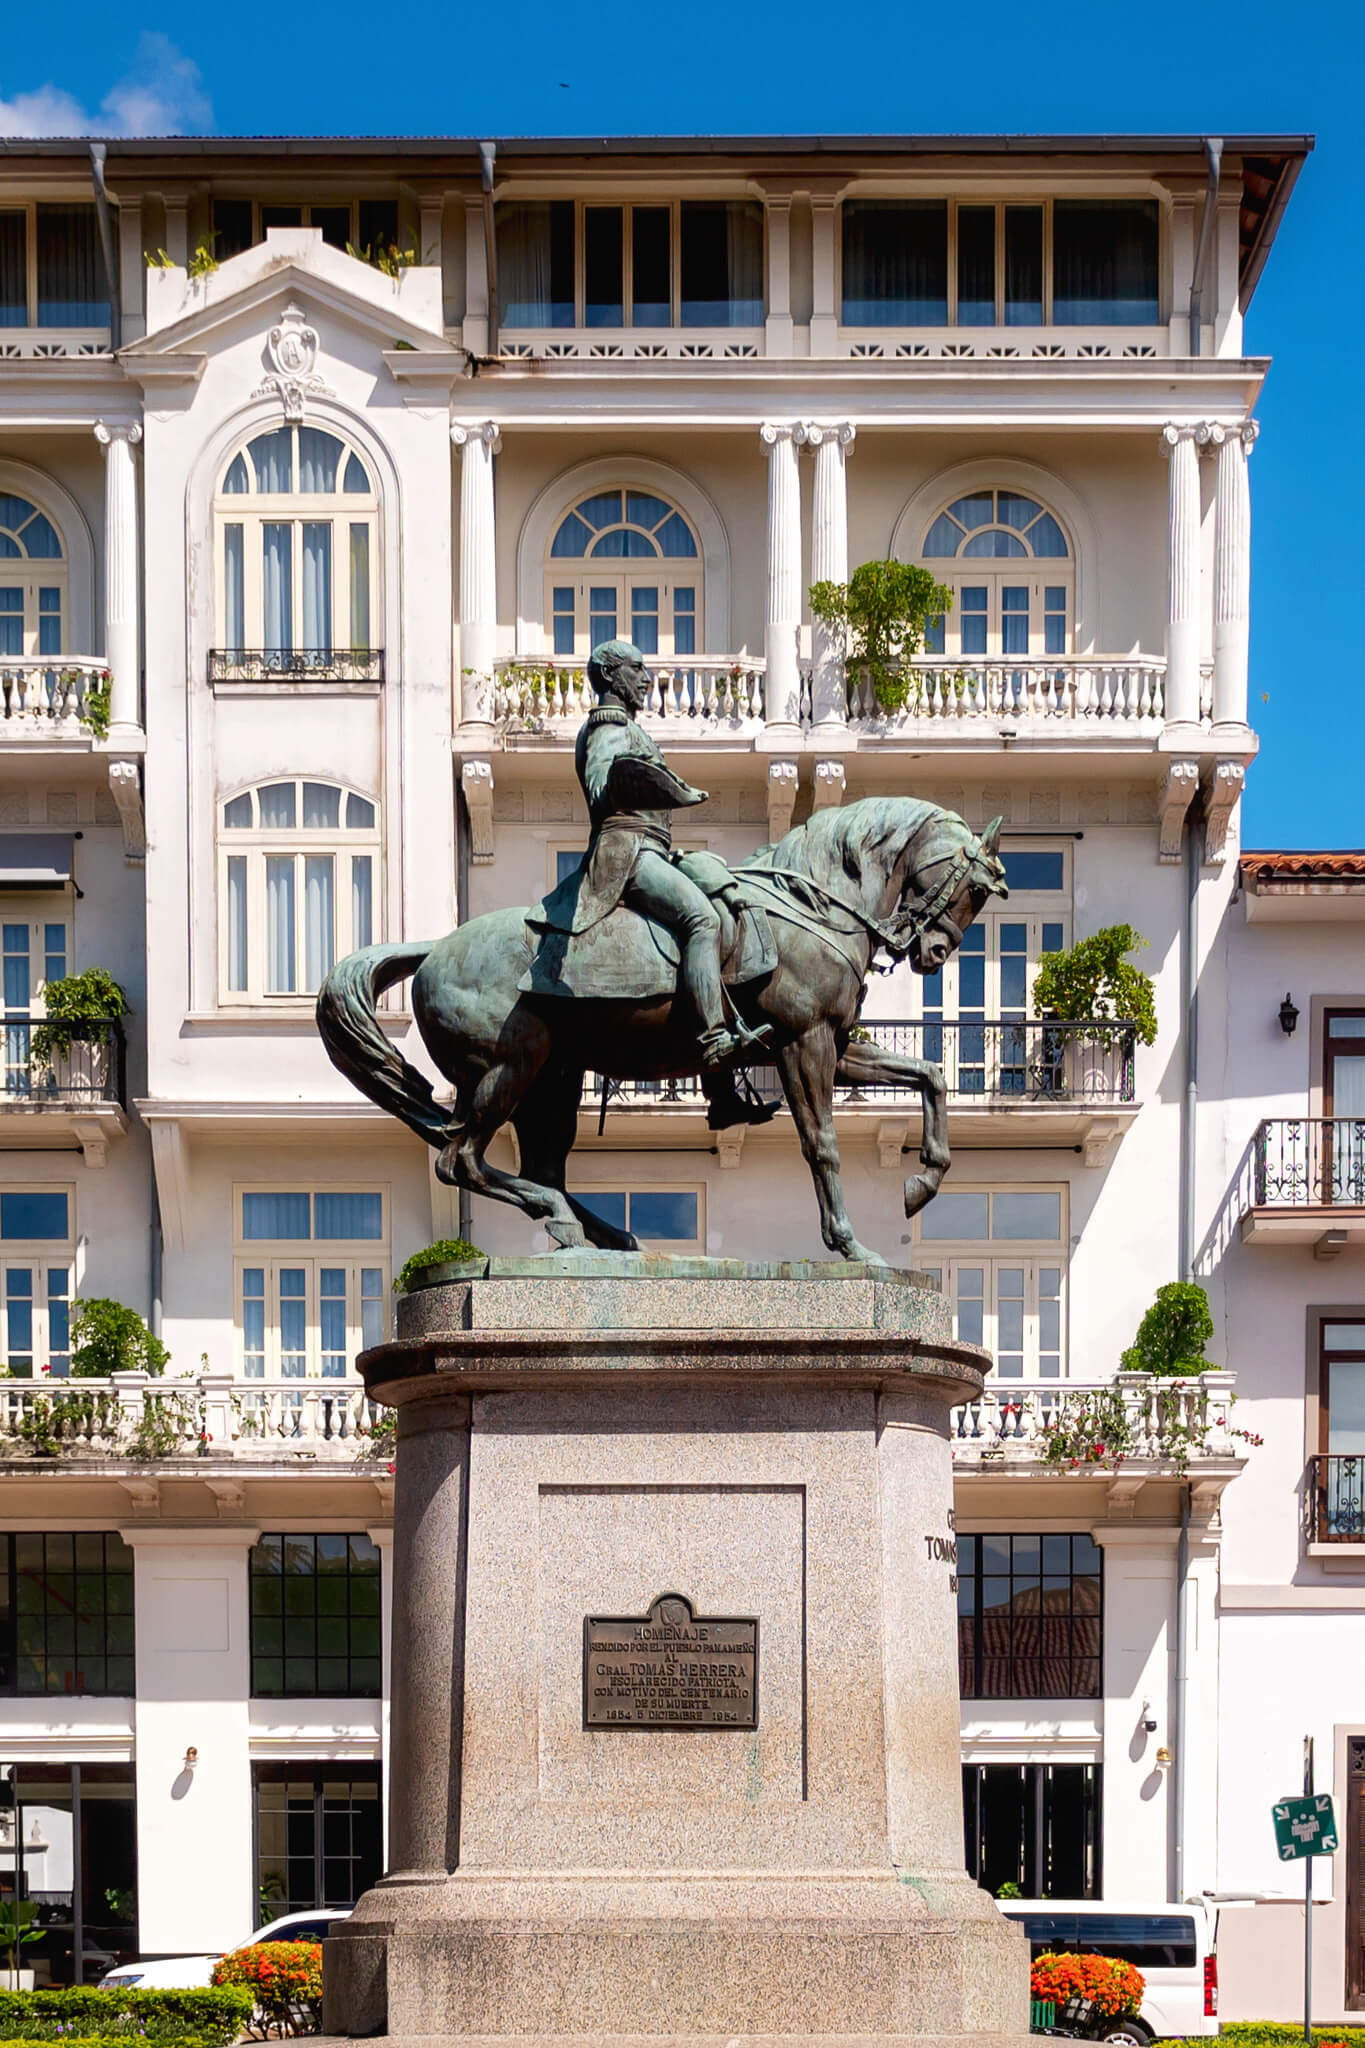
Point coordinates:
pixel 1305 1826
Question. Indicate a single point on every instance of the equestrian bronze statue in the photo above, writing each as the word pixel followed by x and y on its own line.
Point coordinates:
pixel 649 965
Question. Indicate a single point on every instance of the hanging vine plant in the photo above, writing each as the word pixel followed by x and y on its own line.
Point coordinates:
pixel 881 615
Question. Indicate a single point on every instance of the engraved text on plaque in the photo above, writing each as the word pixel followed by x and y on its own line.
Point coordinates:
pixel 670 1668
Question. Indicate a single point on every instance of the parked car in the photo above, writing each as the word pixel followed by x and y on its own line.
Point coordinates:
pixel 1175 1947
pixel 191 1973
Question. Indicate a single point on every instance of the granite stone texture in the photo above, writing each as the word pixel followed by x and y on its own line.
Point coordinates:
pixel 771 1443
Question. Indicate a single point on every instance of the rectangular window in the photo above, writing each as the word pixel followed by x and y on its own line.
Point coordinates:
pixel 319 1838
pixel 71 285
pixel 684 619
pixel 1105 262
pixel 34 1214
pixel 301 1313
pixel 85 1815
pixel 66 1628
pixel 49 621
pixel 644 617
pixel 976 266
pixel 696 263
pixel 13 271
pixel 360 585
pixel 603 295
pixel 35 1318
pixel 315 1618
pixel 536 263
pixel 651 289
pixel 1029 1611
pixel 895 262
pixel 721 263
pixel 1023 266
pixel 232 227
pixel 1037 1827
pixel 563 618
pixel 663 1216
pixel 1011 1300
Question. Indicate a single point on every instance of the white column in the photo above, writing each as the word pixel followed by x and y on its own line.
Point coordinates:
pixel 778 331
pixel 829 564
pixel 781 634
pixel 1182 617
pixel 122 636
pixel 1231 571
pixel 824 318
pixel 478 443
pixel 475 335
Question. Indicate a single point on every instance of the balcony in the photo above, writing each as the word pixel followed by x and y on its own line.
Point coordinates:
pixel 554 696
pixel 1080 697
pixel 303 665
pixel 1024 1082
pixel 210 1418
pixel 1004 344
pixel 1334 1499
pixel 1305 1183
pixel 42 700
pixel 1121 1431
pixel 76 1098
pixel 51 344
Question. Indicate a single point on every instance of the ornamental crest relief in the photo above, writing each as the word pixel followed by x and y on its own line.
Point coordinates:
pixel 292 351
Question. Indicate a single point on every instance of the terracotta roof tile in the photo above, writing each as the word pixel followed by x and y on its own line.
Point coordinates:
pixel 1306 865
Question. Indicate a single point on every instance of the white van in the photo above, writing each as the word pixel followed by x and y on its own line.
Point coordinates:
pixel 1173 1946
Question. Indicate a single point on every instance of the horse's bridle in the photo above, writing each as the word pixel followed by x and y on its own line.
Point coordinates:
pixel 899 934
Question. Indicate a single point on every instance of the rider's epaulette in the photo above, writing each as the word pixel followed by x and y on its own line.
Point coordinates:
pixel 608 714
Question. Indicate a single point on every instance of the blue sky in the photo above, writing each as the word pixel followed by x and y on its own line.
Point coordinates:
pixel 756 66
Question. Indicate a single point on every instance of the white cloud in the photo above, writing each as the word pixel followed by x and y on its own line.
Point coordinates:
pixel 161 94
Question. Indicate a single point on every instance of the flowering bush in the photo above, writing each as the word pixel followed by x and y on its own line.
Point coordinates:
pixel 286 1977
pixel 1115 1987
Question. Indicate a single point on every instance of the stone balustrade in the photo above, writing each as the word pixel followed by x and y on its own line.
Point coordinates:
pixel 1112 691
pixel 42 697
pixel 135 1419
pixel 1133 1418
pixel 726 693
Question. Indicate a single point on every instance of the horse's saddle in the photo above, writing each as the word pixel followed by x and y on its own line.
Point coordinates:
pixel 632 957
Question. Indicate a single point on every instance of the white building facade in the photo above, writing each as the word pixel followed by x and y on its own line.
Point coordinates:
pixel 303 546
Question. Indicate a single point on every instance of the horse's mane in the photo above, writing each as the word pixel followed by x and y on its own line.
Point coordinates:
pixel 838 842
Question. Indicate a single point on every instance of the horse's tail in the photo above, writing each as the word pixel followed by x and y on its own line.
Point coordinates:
pixel 349 1023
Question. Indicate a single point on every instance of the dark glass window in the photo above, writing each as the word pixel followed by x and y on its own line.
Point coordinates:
pixel 318 1836
pixel 84 1888
pixel 36 1213
pixel 895 255
pixel 721 261
pixel 535 263
pixel 66 1615
pixel 13 270
pixel 651 280
pixel 603 303
pixel 1105 262
pixel 976 266
pixel 1150 1941
pixel 1028 1617
pixel 1034 870
pixel 1023 266
pixel 280 217
pixel 231 227
pixel 71 285
pixel 315 1618
pixel 376 223
pixel 1034 1825
pixel 335 222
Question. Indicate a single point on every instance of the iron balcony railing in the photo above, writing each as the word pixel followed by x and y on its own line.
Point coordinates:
pixel 90 1065
pixel 1310 1163
pixel 296 664
pixel 1335 1498
pixel 996 1063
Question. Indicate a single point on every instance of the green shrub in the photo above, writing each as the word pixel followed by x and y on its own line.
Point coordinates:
pixel 882 612
pixel 134 2031
pixel 1273 2033
pixel 196 2019
pixel 1171 1337
pixel 1092 983
pixel 79 1006
pixel 447 1251
pixel 106 1338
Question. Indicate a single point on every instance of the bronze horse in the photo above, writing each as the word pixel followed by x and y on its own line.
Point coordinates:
pixel 888 873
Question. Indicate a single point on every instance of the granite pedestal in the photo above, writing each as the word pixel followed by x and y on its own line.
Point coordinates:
pixel 580 1437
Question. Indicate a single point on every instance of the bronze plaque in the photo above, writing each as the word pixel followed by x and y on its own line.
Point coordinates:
pixel 670 1668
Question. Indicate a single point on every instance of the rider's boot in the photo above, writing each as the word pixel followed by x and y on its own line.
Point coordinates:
pixel 726 1107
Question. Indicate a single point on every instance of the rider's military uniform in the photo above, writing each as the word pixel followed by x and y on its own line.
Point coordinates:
pixel 631 792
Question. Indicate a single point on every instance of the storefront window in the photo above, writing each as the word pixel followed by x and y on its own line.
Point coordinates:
pixel 319 1840
pixel 1033 1825
pixel 77 1866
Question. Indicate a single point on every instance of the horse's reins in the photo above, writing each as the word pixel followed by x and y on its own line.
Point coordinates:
pixel 897 939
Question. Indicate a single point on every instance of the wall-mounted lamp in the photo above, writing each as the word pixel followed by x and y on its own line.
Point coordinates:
pixel 1289 1016
pixel 191 1757
pixel 1163 1755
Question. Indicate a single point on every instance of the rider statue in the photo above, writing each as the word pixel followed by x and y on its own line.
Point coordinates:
pixel 631 793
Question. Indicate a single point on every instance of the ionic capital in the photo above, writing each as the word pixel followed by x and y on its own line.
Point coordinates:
pixel 465 432
pixel 1174 432
pixel 841 431
pixel 106 434
pixel 777 433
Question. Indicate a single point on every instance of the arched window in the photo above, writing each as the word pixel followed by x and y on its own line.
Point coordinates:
pixel 298 880
pixel 297 550
pixel 591 594
pixel 1012 574
pixel 32 580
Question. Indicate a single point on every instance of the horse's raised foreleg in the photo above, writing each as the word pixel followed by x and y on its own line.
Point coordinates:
pixel 546 1125
pixel 869 1066
pixel 497 1099
pixel 807 1068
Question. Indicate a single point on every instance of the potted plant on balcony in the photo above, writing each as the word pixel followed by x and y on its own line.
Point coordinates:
pixel 880 615
pixel 1092 983
pixel 71 1043
pixel 107 1338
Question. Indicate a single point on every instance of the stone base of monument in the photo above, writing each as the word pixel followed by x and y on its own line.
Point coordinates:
pixel 674 1733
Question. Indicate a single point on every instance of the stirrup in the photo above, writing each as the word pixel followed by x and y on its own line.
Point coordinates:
pixel 728 1108
pixel 716 1046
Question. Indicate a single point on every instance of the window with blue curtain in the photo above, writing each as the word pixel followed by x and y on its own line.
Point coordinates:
pixel 299 882
pixel 72 291
pixel 1105 262
pixel 299 565
pixel 895 262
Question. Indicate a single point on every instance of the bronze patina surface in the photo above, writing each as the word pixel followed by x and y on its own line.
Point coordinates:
pixel 670 1668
